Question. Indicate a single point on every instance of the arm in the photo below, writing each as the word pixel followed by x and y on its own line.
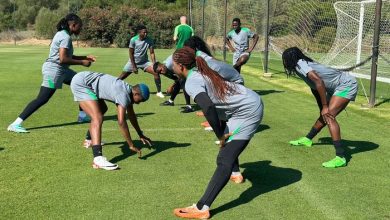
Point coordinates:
pixel 175 34
pixel 125 129
pixel 320 87
pixel 152 55
pixel 229 45
pixel 255 40
pixel 91 58
pixel 134 122
pixel 65 59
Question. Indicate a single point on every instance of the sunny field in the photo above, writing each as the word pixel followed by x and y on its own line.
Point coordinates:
pixel 46 174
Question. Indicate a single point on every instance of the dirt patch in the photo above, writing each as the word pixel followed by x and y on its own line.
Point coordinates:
pixel 43 42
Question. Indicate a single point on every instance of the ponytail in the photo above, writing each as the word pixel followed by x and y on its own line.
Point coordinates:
pixel 63 24
pixel 186 57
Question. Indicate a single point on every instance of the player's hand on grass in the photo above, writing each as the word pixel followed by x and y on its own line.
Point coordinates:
pixel 146 140
pixel 222 140
pixel 86 63
pixel 138 151
pixel 91 58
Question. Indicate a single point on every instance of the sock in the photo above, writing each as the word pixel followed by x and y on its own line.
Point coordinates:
pixel 88 135
pixel 97 150
pixel 170 101
pixel 312 133
pixel 18 121
pixel 339 148
pixel 202 207
pixel 82 114
pixel 236 173
pixel 158 84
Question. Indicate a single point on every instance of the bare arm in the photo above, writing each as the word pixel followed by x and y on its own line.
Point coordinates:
pixel 152 55
pixel 320 87
pixel 65 59
pixel 230 45
pixel 134 123
pixel 125 129
pixel 255 40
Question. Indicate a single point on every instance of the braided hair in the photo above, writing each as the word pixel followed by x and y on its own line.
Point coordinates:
pixel 290 58
pixel 186 57
pixel 63 24
pixel 196 43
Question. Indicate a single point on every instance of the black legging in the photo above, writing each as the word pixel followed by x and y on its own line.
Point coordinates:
pixel 227 161
pixel 43 97
pixel 176 89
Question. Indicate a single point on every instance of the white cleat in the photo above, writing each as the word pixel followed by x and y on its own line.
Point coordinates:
pixel 17 128
pixel 159 94
pixel 102 163
pixel 208 129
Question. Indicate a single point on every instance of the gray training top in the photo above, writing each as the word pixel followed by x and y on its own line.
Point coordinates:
pixel 61 39
pixel 238 105
pixel 332 78
pixel 223 69
pixel 141 48
pixel 241 40
pixel 104 86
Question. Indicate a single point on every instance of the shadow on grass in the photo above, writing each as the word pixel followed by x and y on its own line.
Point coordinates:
pixel 262 127
pixel 1 148
pixel 266 92
pixel 351 147
pixel 106 118
pixel 264 178
pixel 382 102
pixel 158 147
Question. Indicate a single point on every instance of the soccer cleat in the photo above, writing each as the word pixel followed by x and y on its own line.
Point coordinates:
pixel 237 178
pixel 159 94
pixel 84 119
pixel 187 109
pixel 191 212
pixel 205 124
pixel 208 129
pixel 17 128
pixel 217 142
pixel 102 163
pixel 335 162
pixel 88 143
pixel 167 103
pixel 303 141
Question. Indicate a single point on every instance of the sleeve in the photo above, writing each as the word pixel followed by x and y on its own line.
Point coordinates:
pixel 66 42
pixel 210 112
pixel 176 31
pixel 229 35
pixel 169 63
pixel 195 85
pixel 303 67
pixel 250 34
pixel 132 43
pixel 151 43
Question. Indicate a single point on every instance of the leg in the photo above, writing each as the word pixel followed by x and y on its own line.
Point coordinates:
pixel 92 108
pixel 157 79
pixel 43 97
pixel 88 140
pixel 227 156
pixel 241 61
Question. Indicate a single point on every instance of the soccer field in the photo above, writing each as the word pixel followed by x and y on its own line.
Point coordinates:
pixel 47 174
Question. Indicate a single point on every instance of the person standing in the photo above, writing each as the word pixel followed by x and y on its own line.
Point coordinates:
pixel 182 32
pixel 333 90
pixel 240 37
pixel 240 107
pixel 138 57
pixel 55 70
pixel 91 89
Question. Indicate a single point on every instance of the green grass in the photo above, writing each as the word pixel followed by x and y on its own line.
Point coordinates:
pixel 46 174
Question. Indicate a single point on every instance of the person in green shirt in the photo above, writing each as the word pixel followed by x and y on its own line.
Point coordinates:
pixel 182 32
